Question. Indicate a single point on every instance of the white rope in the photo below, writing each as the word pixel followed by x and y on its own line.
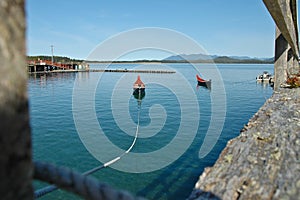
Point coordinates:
pixel 136 132
pixel 41 192
pixel 126 152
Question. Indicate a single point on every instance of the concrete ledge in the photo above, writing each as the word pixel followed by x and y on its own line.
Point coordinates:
pixel 264 161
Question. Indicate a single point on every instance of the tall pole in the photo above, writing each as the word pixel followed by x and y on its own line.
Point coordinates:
pixel 52 58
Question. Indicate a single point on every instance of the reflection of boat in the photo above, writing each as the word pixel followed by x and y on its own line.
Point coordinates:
pixel 271 81
pixel 202 82
pixel 138 88
pixel 265 77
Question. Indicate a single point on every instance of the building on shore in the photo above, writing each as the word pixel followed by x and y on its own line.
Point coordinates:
pixel 41 66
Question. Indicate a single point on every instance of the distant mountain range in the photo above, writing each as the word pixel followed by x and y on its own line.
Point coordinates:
pixel 202 58
pixel 183 58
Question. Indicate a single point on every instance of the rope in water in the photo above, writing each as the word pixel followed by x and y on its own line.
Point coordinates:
pixel 43 191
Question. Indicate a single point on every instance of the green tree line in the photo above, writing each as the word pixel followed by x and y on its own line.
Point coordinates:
pixel 62 59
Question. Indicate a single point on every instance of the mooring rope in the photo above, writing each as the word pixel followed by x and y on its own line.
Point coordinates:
pixel 43 191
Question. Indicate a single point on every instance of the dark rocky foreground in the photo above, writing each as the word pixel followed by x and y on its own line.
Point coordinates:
pixel 264 161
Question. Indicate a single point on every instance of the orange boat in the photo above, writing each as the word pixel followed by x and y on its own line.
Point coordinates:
pixel 202 82
pixel 139 87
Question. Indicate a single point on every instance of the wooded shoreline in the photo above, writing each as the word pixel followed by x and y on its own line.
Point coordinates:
pixel 219 59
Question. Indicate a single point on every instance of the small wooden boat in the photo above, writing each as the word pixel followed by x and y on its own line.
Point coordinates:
pixel 202 82
pixel 138 88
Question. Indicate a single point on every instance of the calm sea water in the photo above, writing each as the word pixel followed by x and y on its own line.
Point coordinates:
pixel 173 102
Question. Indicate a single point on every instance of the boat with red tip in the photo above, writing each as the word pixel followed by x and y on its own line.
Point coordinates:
pixel 139 88
pixel 202 82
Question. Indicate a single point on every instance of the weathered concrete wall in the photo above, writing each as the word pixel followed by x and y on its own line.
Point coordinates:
pixel 15 141
pixel 281 64
pixel 284 13
pixel 263 162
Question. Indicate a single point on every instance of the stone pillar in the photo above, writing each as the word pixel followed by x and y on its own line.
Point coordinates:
pixel 293 64
pixel 284 13
pixel 15 142
pixel 281 56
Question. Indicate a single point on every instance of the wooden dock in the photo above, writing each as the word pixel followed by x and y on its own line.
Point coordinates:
pixel 134 71
pixel 59 71
pixel 45 66
pixel 102 70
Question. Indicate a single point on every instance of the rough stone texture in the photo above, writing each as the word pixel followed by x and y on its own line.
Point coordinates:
pixel 15 141
pixel 264 161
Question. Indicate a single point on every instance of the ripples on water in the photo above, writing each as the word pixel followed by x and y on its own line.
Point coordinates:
pixel 55 138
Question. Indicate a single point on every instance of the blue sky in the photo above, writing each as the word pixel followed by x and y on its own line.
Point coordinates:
pixel 75 28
